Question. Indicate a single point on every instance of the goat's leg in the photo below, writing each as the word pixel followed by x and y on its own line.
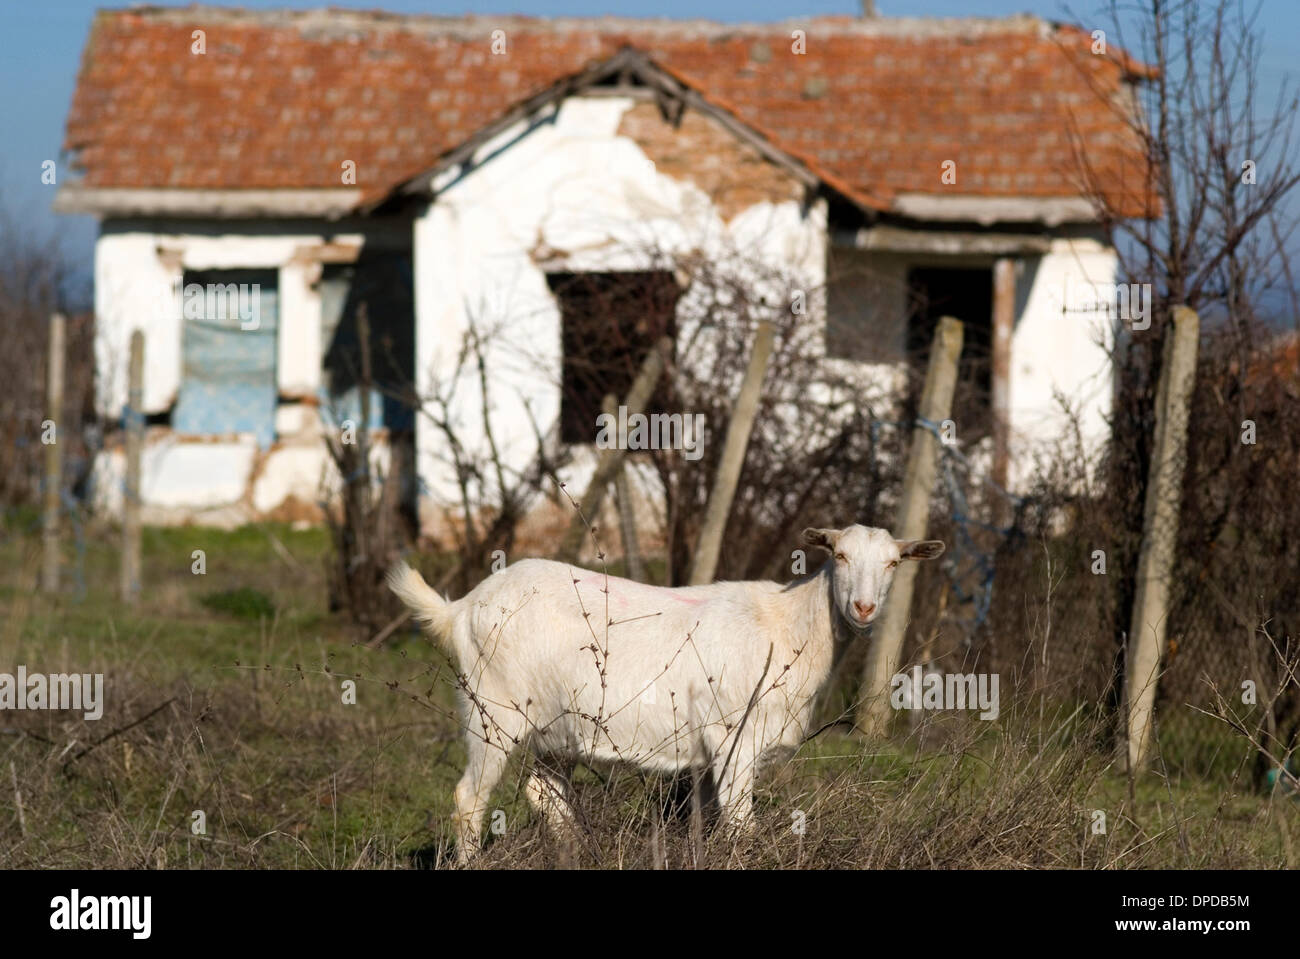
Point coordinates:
pixel 551 794
pixel 735 785
pixel 487 761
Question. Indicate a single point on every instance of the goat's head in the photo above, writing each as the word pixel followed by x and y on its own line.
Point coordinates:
pixel 863 561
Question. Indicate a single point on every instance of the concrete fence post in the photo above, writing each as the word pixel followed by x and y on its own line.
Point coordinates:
pixel 633 567
pixel 709 546
pixel 53 454
pixel 611 460
pixel 913 517
pixel 1004 321
pixel 1147 630
pixel 131 490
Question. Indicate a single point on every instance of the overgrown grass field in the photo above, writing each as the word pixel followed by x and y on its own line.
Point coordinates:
pixel 224 707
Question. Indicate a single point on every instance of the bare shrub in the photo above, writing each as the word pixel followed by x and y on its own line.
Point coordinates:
pixel 367 528
pixel 36 280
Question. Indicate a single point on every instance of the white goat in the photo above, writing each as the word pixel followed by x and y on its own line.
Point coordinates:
pixel 578 665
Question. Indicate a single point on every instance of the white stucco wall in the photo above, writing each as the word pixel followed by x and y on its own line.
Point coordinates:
pixel 134 288
pixel 224 483
pixel 1057 348
pixel 137 264
pixel 567 195
pixel 1058 345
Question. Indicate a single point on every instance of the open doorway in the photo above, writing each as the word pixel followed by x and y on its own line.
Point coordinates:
pixel 967 294
pixel 609 323
pixel 383 282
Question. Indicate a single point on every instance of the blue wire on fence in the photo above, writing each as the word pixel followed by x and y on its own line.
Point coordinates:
pixel 964 549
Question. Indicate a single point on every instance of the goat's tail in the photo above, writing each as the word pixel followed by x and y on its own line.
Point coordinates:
pixel 423 600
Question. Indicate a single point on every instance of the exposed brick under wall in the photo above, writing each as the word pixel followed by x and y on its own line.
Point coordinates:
pixel 700 150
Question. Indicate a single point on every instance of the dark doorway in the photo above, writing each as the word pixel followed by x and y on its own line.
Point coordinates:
pixel 967 294
pixel 383 281
pixel 609 322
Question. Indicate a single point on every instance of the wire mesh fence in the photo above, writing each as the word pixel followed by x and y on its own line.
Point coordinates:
pixel 1036 585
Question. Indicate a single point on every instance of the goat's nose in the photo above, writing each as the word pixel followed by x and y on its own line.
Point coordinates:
pixel 863 609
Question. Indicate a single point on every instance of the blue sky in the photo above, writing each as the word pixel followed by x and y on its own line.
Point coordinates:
pixel 40 47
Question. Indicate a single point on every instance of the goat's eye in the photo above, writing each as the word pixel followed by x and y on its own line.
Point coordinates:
pixel 841 558
pixel 892 564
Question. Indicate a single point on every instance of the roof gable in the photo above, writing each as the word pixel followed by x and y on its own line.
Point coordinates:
pixel 631 70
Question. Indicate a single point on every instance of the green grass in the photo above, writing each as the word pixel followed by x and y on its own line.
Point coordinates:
pixel 245 668
pixel 242 603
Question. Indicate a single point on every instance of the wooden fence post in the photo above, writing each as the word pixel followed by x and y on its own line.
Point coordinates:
pixel 1146 636
pixel 131 490
pixel 705 562
pixel 53 454
pixel 633 568
pixel 611 460
pixel 913 516
pixel 1004 321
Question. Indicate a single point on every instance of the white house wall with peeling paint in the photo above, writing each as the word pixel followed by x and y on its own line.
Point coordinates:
pixel 1061 337
pixel 442 183
pixel 221 476
pixel 562 192
pixel 565 193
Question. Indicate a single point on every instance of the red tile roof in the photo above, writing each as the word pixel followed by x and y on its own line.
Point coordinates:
pixel 282 99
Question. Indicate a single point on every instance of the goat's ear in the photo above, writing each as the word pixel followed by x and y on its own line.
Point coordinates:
pixel 920 548
pixel 825 538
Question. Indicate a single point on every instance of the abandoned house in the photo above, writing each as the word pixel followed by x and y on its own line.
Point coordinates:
pixel 263 178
